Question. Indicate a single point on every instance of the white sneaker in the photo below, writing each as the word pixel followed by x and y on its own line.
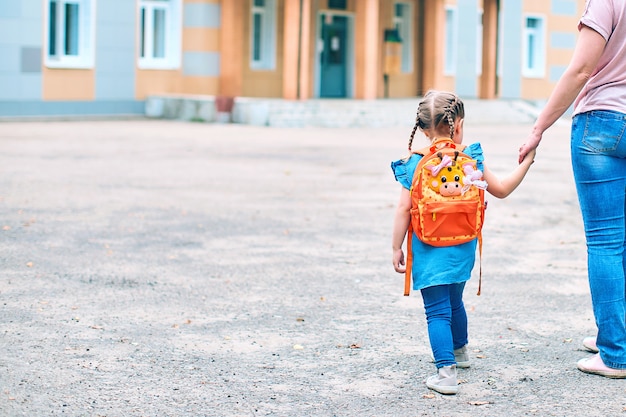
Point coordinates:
pixel 589 343
pixel 461 357
pixel 444 381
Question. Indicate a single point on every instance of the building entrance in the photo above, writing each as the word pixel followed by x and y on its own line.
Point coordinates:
pixel 333 56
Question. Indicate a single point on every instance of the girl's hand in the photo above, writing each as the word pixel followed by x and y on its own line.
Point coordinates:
pixel 398 261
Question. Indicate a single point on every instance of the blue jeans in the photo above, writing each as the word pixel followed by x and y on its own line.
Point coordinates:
pixel 447 321
pixel 599 164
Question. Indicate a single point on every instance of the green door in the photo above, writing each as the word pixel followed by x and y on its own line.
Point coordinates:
pixel 333 56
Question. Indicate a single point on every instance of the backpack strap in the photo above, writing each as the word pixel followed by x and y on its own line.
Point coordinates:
pixel 480 261
pixel 409 261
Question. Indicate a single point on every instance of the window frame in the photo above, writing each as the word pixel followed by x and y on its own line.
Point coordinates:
pixel 405 30
pixel 171 38
pixel 479 43
pixel 57 44
pixel 267 36
pixel 450 41
pixel 538 45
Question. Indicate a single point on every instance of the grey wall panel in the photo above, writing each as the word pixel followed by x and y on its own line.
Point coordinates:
pixel 21 34
pixel 564 7
pixel 10 62
pixel 203 64
pixel 115 50
pixel 199 15
pixel 71 108
pixel 20 87
pixel 466 83
pixel 30 60
pixel 511 51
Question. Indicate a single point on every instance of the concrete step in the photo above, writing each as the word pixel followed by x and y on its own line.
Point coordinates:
pixel 327 113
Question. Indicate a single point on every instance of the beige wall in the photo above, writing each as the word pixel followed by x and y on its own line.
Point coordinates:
pixel 68 84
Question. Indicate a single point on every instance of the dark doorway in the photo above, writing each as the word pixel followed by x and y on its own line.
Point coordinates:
pixel 333 56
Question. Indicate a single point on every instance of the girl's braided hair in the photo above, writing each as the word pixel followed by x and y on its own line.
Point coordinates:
pixel 438 108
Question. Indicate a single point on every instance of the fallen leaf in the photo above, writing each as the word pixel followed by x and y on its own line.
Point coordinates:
pixel 175 326
pixel 429 396
pixel 479 402
pixel 481 356
pixel 568 340
pixel 355 346
pixel 96 327
pixel 300 319
pixel 29 264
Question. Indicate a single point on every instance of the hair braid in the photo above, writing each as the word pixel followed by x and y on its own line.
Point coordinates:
pixel 450 119
pixel 417 123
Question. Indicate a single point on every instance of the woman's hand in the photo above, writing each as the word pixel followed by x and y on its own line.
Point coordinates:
pixel 398 261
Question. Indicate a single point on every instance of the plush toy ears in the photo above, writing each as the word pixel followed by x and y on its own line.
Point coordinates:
pixel 445 162
pixel 468 168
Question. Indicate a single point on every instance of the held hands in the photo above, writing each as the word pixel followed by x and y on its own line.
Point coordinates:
pixel 398 261
pixel 529 146
pixel 529 157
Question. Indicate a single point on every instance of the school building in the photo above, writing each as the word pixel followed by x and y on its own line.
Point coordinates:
pixel 106 57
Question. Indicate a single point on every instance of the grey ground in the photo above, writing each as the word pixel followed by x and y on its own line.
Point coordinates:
pixel 153 268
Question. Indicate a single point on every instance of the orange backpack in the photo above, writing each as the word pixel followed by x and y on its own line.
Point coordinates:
pixel 447 200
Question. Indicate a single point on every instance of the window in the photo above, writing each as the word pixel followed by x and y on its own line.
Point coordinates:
pixel 533 59
pixel 402 23
pixel 450 42
pixel 70 33
pixel 479 44
pixel 263 35
pixel 159 34
pixel 337 4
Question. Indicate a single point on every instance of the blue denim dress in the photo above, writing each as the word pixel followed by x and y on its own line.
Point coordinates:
pixel 438 265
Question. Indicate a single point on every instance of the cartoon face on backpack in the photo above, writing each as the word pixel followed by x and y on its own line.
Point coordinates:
pixel 446 177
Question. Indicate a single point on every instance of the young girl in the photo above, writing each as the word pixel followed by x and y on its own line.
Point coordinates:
pixel 441 282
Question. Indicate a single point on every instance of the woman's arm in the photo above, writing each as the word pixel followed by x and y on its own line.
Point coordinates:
pixel 400 227
pixel 501 188
pixel 589 48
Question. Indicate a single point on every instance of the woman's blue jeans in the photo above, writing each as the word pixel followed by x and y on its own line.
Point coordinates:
pixel 599 163
pixel 447 321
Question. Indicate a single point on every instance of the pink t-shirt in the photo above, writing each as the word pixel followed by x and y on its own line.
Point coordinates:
pixel 606 89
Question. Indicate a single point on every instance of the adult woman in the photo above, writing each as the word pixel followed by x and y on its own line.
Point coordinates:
pixel 595 81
